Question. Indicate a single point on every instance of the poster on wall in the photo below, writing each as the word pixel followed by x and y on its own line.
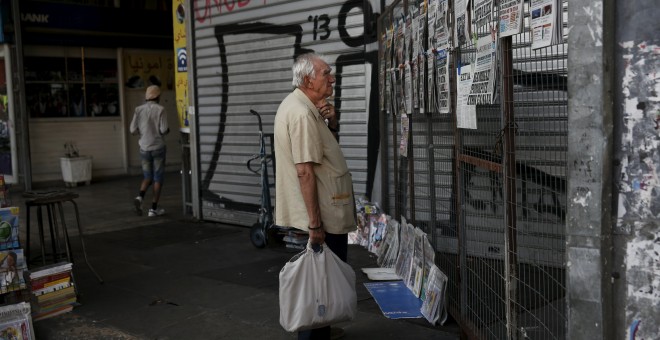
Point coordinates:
pixel 181 72
pixel 144 69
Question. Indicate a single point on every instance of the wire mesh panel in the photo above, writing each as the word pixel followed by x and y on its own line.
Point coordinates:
pixel 541 129
pixel 491 192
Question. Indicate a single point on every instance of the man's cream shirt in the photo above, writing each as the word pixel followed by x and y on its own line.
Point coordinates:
pixel 301 136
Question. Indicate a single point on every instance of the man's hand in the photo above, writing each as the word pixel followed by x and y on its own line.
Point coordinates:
pixel 316 236
pixel 328 112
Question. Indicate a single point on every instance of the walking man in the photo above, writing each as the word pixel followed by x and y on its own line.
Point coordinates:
pixel 150 122
pixel 314 189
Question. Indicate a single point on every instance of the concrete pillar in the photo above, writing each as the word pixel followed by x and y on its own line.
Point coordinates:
pixel 588 229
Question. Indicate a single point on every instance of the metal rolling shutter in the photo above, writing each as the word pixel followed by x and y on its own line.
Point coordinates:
pixel 243 55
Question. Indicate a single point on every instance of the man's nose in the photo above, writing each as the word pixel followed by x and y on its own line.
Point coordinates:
pixel 331 78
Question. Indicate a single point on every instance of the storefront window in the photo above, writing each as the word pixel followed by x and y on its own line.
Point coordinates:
pixel 71 87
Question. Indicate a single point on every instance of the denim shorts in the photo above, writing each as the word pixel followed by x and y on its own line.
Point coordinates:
pixel 153 164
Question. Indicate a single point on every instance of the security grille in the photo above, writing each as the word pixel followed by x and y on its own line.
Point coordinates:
pixel 492 198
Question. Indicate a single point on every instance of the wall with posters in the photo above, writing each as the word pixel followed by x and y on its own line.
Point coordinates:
pixel 637 127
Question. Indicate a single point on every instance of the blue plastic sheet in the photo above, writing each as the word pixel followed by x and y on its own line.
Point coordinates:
pixel 395 300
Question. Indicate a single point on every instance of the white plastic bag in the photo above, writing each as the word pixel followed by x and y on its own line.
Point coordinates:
pixel 317 289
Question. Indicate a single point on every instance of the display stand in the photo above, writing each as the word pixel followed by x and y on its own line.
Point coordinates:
pixel 15 311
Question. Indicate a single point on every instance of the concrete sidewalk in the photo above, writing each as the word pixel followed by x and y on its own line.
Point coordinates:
pixel 171 277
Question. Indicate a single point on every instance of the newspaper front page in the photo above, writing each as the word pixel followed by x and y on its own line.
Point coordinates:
pixel 542 22
pixel 511 17
pixel 461 34
pixel 482 90
pixel 466 114
pixel 482 13
pixel 442 78
pixel 441 28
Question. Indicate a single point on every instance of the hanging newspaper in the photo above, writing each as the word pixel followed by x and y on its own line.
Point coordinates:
pixel 482 90
pixel 461 35
pixel 394 95
pixel 482 13
pixel 466 114
pixel 544 23
pixel 430 80
pixel 442 80
pixel 405 133
pixel 382 71
pixel 399 102
pixel 407 33
pixel 430 19
pixel 414 69
pixel 421 67
pixel 414 32
pixel 399 43
pixel 441 29
pixel 408 89
pixel 511 15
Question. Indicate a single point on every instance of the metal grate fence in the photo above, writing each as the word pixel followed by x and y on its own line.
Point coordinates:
pixel 492 199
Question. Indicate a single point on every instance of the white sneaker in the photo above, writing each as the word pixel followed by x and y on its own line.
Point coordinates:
pixel 156 212
pixel 138 205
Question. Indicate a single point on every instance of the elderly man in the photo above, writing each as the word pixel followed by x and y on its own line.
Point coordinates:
pixel 314 189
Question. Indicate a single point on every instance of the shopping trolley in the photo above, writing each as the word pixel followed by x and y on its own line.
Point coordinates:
pixel 259 233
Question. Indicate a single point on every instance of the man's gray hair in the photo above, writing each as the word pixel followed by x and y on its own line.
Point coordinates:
pixel 304 66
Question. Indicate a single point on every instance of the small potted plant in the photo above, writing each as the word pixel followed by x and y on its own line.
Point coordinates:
pixel 75 168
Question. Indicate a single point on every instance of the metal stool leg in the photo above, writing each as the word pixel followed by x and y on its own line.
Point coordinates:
pixel 82 241
pixel 54 231
pixel 40 224
pixel 65 233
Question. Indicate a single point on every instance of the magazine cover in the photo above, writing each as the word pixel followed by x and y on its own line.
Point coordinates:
pixel 12 266
pixel 390 250
pixel 15 322
pixel 433 305
pixel 429 262
pixel 9 228
pixel 414 281
pixel 404 262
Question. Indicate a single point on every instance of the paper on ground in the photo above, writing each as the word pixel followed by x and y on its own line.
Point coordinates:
pixel 381 274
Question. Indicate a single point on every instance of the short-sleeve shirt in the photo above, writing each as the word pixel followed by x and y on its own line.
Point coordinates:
pixel 302 136
pixel 150 121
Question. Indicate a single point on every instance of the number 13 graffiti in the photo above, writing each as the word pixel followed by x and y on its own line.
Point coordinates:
pixel 321 25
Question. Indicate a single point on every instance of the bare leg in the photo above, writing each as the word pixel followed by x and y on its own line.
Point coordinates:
pixel 145 184
pixel 157 186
